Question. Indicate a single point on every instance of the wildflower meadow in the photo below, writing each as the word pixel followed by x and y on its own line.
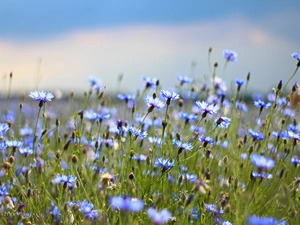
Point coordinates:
pixel 202 152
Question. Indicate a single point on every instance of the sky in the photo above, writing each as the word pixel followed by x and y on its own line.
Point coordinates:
pixel 53 45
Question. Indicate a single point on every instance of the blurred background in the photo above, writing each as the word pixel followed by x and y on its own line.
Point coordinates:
pixel 57 44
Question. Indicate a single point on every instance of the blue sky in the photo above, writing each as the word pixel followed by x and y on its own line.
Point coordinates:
pixel 63 30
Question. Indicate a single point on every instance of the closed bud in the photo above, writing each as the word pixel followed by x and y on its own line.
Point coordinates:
pixel 12 159
pixel 74 158
pixel 178 136
pixel 225 135
pixel 21 105
pixel 227 208
pixel 189 199
pixel 154 95
pixel 209 50
pixel 279 86
pixel 248 76
pixel 225 159
pixel 131 176
pixel 57 122
pixel 180 102
pixel 216 64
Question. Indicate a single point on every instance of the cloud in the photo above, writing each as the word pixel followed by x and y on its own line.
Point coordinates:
pixel 160 51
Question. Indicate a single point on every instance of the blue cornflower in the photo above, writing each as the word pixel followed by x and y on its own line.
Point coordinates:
pixel 281 134
pixel 295 160
pixel 153 103
pixel 14 144
pixel 126 97
pixel 261 175
pixel 261 161
pixel 187 117
pixel 154 140
pixel 222 122
pixel 159 217
pixel 70 180
pixel 3 190
pixel 137 132
pixel 293 128
pixel 25 151
pixel 169 96
pixel 140 158
pixel 262 104
pixel 292 135
pixel 239 83
pixel 226 223
pixel 190 177
pixel 3 128
pixel 206 140
pixel 127 203
pixel 150 82
pixel 103 116
pixel 25 131
pixel 254 220
pixel 184 79
pixel 296 55
pixel 55 211
pixel 256 135
pixel 95 82
pixel 213 208
pixel 41 96
pixel 164 163
pixel 87 208
pixel 230 55
pixel 181 145
pixel 206 108
pixel 241 106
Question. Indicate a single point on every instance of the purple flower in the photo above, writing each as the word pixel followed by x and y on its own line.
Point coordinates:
pixel 137 132
pixel 95 82
pixel 262 175
pixel 230 55
pixel 206 140
pixel 184 79
pixel 88 209
pixel 70 181
pixel 190 177
pixel 261 161
pixel 281 134
pixel 262 104
pixel 169 96
pixel 164 163
pixel 222 122
pixel 254 220
pixel 241 106
pixel 226 223
pixel 213 208
pixel 154 103
pixel 25 151
pixel 14 144
pixel 3 128
pixel 126 98
pixel 239 82
pixel 293 135
pixel 182 146
pixel 206 108
pixel 159 217
pixel 187 117
pixel 295 160
pixel 127 203
pixel 256 135
pixel 41 96
pixel 150 82
pixel 296 55
pixel 154 140
pixel 140 158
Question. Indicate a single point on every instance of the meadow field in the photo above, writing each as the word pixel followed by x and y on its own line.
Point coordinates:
pixel 199 153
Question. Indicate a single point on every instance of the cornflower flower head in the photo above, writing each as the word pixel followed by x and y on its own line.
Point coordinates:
pixel 95 82
pixel 154 140
pixel 88 209
pixel 239 83
pixel 281 134
pixel 182 145
pixel 226 223
pixel 255 220
pixel 261 175
pixel 159 217
pixel 140 158
pixel 150 82
pixel 241 106
pixel 222 122
pixel 206 108
pixel 126 203
pixel 230 55
pixel 153 103
pixel 292 135
pixel 41 96
pixel 256 135
pixel 213 208
pixel 55 211
pixel 206 140
pixel 164 163
pixel 184 79
pixel 296 55
pixel 169 96
pixel 261 104
pixel 3 128
pixel 126 97
pixel 261 162
pixel 25 151
pixel 188 118
pixel 90 115
pixel 137 132
pixel 69 181
pixel 25 131
pixel 14 144
pixel 295 160
pixel 190 177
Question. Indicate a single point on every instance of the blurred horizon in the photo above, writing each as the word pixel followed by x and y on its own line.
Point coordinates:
pixel 58 45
